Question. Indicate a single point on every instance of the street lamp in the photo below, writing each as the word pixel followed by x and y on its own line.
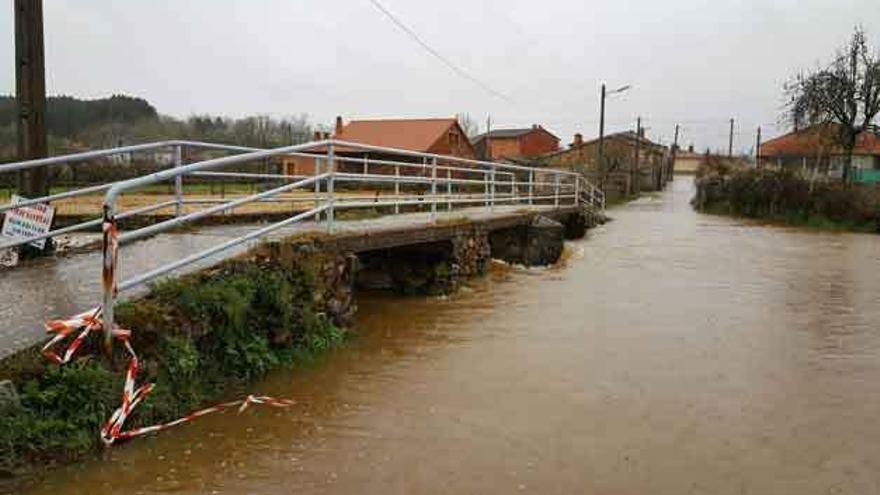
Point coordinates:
pixel 601 159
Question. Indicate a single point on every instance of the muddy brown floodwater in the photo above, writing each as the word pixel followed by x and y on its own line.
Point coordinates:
pixel 674 353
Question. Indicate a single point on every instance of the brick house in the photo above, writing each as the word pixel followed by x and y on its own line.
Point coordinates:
pixel 515 144
pixel 443 136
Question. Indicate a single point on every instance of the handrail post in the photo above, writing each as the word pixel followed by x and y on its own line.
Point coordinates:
pixel 531 186
pixel 486 188
pixel 449 189
pixel 556 190
pixel 331 171
pixel 317 162
pixel 492 190
pixel 577 190
pixel 396 189
pixel 433 189
pixel 366 165
pixel 513 187
pixel 178 181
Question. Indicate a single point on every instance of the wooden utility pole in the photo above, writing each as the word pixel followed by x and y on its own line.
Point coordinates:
pixel 30 89
pixel 730 140
pixel 758 149
pixel 674 153
pixel 636 172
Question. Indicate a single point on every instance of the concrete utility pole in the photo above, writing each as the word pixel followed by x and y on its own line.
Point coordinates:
pixel 730 140
pixel 600 166
pixel 674 152
pixel 600 160
pixel 758 149
pixel 636 172
pixel 30 90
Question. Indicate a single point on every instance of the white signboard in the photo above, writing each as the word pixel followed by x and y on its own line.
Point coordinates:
pixel 28 221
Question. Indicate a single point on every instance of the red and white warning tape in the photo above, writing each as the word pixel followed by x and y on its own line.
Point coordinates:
pixel 90 322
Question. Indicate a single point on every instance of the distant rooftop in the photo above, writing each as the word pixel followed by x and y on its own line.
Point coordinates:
pixel 407 134
pixel 818 139
pixel 510 133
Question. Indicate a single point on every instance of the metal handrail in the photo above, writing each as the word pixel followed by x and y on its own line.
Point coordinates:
pixel 494 184
pixel 84 156
pixel 93 155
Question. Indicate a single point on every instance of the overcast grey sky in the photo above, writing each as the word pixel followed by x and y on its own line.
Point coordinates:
pixel 697 62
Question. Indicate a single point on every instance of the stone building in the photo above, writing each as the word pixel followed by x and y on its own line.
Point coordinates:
pixel 620 175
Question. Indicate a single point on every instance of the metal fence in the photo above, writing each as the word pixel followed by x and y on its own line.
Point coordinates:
pixel 398 182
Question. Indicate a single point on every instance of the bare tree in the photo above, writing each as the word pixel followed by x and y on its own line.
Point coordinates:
pixel 845 96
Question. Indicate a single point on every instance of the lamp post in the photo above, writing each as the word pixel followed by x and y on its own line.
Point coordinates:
pixel 601 159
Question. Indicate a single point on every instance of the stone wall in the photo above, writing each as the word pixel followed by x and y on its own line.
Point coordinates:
pixel 335 273
pixel 426 268
pixel 537 244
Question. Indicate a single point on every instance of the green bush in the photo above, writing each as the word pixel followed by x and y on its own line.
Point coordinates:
pixel 785 196
pixel 60 413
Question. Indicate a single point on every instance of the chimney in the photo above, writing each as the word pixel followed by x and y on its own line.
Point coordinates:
pixel 338 125
pixel 578 140
pixel 535 126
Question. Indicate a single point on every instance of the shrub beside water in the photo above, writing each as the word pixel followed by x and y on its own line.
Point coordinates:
pixel 198 338
pixel 783 195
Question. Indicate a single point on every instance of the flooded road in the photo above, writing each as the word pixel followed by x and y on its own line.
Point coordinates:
pixel 673 353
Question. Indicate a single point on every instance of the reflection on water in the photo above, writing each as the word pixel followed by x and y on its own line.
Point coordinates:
pixel 674 353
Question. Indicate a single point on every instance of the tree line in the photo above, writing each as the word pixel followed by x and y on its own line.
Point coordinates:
pixel 75 124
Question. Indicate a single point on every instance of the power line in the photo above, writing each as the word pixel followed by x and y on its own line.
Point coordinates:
pixel 458 70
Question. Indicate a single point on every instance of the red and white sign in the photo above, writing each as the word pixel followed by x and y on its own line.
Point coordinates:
pixel 28 221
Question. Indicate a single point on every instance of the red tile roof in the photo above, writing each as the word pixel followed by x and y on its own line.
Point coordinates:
pixel 408 134
pixel 817 140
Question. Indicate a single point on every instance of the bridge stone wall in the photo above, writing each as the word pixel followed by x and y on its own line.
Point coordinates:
pixel 427 268
pixel 334 272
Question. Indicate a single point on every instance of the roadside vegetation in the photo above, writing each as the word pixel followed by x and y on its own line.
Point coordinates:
pixel 843 96
pixel 785 197
pixel 199 338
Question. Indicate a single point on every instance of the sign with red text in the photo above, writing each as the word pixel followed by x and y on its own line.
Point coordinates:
pixel 28 221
